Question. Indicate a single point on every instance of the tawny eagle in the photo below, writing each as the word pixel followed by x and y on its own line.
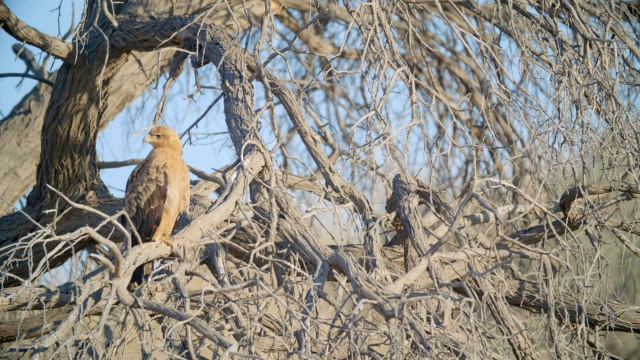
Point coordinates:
pixel 157 192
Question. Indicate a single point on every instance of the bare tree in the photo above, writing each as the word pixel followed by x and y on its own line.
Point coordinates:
pixel 413 179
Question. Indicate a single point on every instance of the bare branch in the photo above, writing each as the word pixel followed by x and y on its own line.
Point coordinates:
pixel 25 33
pixel 28 76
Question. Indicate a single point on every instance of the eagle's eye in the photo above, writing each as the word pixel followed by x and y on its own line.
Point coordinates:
pixel 158 136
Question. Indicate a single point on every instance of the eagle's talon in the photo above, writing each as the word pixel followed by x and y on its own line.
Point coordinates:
pixel 165 239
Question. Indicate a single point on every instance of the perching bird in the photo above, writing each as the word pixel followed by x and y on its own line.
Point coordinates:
pixel 157 192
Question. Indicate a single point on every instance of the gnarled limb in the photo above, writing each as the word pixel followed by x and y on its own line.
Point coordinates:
pixel 25 33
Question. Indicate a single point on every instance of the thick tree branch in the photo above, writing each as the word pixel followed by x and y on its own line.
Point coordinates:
pixel 476 122
pixel 610 314
pixel 25 33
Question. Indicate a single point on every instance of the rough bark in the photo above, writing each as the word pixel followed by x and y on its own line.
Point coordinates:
pixel 20 130
pixel 253 254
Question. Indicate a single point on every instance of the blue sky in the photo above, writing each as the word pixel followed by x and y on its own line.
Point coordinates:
pixel 42 15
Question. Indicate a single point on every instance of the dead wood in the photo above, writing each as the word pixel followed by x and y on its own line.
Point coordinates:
pixel 421 189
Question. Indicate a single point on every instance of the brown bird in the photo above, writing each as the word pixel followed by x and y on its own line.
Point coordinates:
pixel 157 192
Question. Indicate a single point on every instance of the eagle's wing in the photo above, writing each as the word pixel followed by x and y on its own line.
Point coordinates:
pixel 145 197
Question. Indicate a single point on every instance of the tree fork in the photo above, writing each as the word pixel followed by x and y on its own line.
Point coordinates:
pixel 68 159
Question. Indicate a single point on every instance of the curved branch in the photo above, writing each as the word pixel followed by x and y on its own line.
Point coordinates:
pixel 197 324
pixel 28 76
pixel 25 33
pixel 612 315
pixel 603 187
pixel 27 56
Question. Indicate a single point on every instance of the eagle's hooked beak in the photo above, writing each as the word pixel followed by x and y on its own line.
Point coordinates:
pixel 147 139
